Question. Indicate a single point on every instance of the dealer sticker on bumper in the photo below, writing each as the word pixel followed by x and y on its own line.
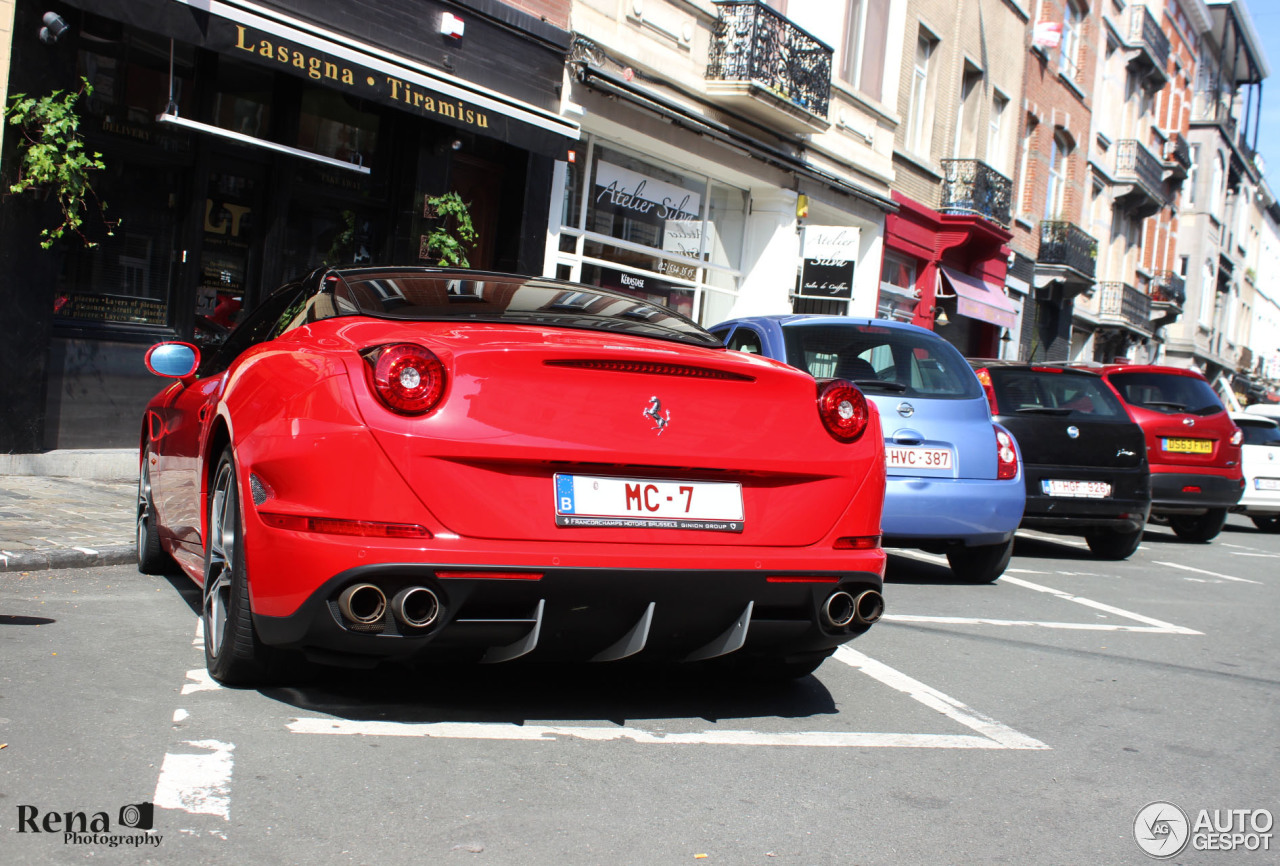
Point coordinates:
pixel 649 503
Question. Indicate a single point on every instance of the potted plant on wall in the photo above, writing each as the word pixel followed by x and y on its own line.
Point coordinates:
pixel 52 159
pixel 452 232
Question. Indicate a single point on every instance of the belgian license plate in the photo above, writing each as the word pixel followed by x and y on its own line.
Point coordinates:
pixel 1076 489
pixel 1267 483
pixel 1189 446
pixel 916 457
pixel 650 503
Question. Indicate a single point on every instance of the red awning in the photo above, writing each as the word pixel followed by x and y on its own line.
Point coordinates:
pixel 980 300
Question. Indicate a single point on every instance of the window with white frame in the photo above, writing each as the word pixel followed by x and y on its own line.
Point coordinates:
pixel 996 155
pixel 1069 53
pixel 866 31
pixel 920 119
pixel 1025 162
pixel 1056 195
pixel 1217 191
pixel 966 131
pixel 633 223
pixel 1208 293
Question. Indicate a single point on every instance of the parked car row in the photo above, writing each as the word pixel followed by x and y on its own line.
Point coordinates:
pixel 1091 450
pixel 424 464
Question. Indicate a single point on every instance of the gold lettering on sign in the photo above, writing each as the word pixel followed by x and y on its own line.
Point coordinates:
pixel 317 68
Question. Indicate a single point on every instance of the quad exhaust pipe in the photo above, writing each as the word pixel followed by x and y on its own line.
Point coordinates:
pixel 416 606
pixel 842 608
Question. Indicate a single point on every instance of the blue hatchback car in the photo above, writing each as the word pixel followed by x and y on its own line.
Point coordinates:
pixel 954 476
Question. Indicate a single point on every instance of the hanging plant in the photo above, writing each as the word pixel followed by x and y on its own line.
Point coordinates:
pixel 453 232
pixel 52 158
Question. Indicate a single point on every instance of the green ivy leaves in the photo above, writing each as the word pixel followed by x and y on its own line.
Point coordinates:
pixel 52 157
pixel 453 233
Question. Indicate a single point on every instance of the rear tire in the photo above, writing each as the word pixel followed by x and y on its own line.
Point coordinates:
pixel 982 564
pixel 232 651
pixel 1113 543
pixel 1199 527
pixel 152 558
pixel 1267 524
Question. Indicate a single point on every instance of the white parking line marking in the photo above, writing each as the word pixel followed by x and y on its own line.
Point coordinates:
pixel 1097 605
pixel 200 682
pixel 988 727
pixel 1056 539
pixel 1259 555
pixel 1210 573
pixel 197 783
pixel 548 733
pixel 992 734
pixel 1078 626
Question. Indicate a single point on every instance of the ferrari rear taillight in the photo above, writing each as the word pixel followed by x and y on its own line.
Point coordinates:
pixel 1006 455
pixel 409 379
pixel 843 410
pixel 984 376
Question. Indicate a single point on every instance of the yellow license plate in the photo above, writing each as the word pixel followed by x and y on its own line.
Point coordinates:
pixel 1189 446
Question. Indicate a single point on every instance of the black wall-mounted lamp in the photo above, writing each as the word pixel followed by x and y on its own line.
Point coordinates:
pixel 53 28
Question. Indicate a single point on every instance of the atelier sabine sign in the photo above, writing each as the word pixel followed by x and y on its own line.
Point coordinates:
pixel 317 67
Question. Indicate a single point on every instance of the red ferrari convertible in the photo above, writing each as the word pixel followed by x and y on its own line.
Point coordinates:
pixel 418 464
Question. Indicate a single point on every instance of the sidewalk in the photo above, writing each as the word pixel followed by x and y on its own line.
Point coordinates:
pixel 67 509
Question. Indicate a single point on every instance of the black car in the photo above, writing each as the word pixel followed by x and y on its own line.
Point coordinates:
pixel 1084 459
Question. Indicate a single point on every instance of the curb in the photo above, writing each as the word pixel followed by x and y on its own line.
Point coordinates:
pixel 67 557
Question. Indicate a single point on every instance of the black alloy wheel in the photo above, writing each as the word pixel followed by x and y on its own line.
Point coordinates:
pixel 232 651
pixel 1199 527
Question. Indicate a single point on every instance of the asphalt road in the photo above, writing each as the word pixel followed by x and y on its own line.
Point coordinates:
pixel 1024 722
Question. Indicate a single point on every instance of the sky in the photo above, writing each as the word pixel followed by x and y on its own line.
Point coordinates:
pixel 1266 20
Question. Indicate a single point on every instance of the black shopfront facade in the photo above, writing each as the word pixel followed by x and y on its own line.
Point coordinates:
pixel 246 144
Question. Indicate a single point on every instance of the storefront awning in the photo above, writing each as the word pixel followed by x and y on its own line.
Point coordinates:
pixel 265 36
pixel 980 300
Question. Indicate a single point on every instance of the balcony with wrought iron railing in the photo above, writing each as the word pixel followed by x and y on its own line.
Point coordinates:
pixel 1150 44
pixel 1141 173
pixel 766 66
pixel 1066 245
pixel 1169 288
pixel 970 186
pixel 1121 305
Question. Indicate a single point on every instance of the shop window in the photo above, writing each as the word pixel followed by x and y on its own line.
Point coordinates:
pixel 125 278
pixel 242 99
pixel 331 125
pixel 653 231
pixel 898 296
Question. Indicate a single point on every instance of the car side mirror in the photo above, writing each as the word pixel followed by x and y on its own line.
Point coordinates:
pixel 173 360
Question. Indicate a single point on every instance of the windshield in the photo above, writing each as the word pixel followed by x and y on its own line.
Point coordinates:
pixel 1039 392
pixel 880 359
pixel 1168 393
pixel 429 296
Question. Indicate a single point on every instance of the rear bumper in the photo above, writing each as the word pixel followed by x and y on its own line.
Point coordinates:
pixel 1262 503
pixel 577 614
pixel 1191 493
pixel 1126 510
pixel 949 510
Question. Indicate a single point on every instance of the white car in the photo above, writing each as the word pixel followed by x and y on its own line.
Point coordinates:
pixel 1260 455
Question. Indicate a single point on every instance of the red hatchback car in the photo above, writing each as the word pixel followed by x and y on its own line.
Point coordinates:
pixel 415 464
pixel 1193 446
